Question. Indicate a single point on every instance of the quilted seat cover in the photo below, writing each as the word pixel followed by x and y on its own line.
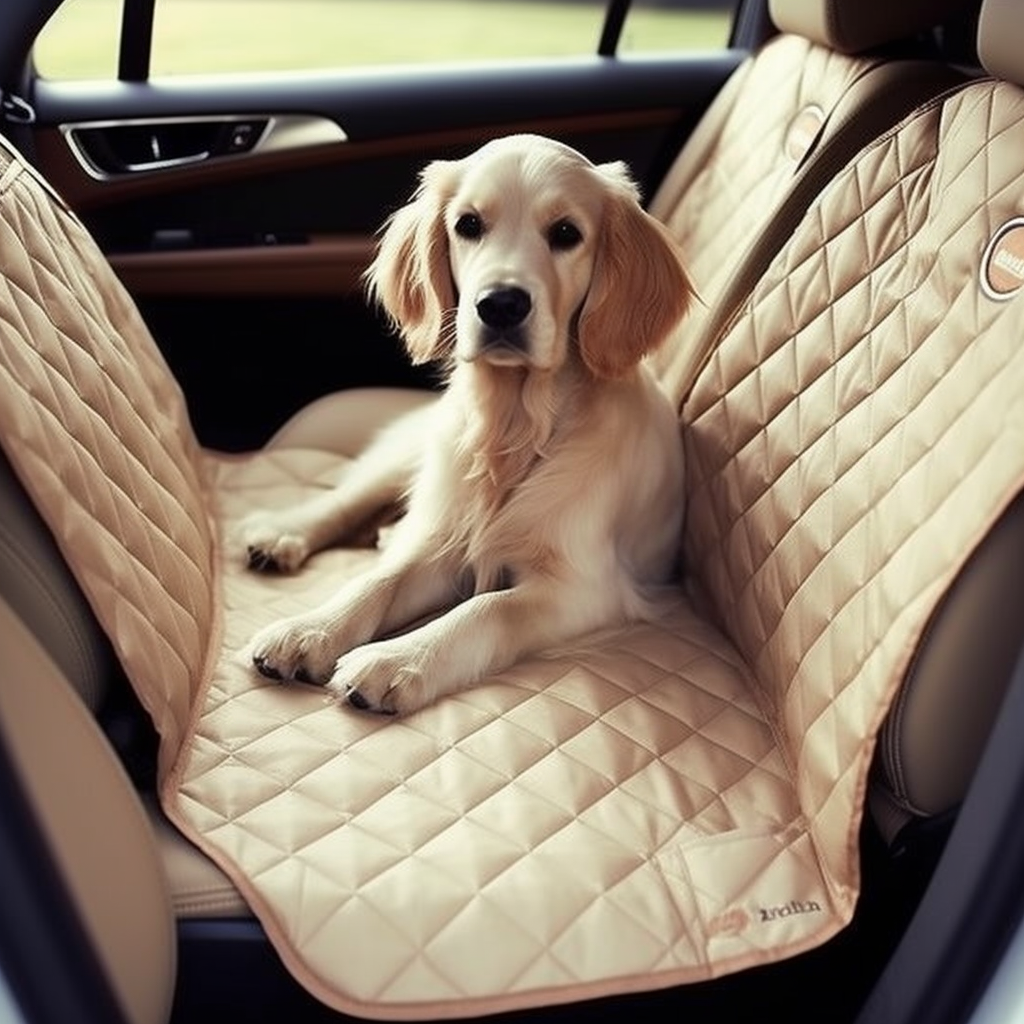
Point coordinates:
pixel 721 188
pixel 130 515
pixel 739 163
pixel 858 430
pixel 665 803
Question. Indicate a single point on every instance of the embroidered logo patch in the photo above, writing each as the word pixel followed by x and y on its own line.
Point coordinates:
pixel 802 132
pixel 789 909
pixel 1002 265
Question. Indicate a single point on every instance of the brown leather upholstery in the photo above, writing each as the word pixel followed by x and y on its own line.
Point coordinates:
pixel 42 592
pixel 1001 38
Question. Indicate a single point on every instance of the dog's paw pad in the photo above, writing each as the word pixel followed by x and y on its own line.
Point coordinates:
pixel 300 650
pixel 285 554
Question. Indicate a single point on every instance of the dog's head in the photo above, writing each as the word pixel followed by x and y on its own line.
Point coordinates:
pixel 510 254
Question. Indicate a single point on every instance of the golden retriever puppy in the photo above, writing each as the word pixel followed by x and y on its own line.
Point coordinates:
pixel 544 487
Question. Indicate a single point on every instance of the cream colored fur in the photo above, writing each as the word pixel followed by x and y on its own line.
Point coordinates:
pixel 544 489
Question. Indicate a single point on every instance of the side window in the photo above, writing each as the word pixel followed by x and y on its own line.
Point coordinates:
pixel 225 36
pixel 654 26
pixel 80 40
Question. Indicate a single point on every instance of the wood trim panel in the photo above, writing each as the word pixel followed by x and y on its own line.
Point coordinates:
pixel 84 193
pixel 325 265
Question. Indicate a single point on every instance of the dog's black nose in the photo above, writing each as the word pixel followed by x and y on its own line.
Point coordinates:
pixel 503 307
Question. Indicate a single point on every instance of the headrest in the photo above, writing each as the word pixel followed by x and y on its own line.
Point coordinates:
pixel 852 26
pixel 1001 39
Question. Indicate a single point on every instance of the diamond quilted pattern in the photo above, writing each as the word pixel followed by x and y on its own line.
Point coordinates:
pixel 666 803
pixel 101 439
pixel 748 165
pixel 517 839
pixel 858 430
pixel 723 188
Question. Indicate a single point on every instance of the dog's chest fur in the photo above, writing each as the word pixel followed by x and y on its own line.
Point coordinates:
pixel 513 423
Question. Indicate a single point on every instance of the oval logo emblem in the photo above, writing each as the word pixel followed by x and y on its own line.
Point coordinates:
pixel 1002 265
pixel 802 132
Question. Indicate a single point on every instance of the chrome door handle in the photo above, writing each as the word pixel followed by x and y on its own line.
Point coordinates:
pixel 108 149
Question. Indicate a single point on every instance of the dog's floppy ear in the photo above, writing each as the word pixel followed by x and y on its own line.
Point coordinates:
pixel 410 276
pixel 639 290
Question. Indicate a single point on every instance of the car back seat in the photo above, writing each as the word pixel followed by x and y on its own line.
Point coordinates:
pixel 839 74
pixel 824 70
pixel 88 813
pixel 874 259
pixel 911 748
pixel 836 77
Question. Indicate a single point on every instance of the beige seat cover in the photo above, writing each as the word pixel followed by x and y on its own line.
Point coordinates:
pixel 669 802
pixel 731 175
pixel 791 114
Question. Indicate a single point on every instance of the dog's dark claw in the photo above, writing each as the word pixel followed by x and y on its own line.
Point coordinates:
pixel 302 676
pixel 266 669
pixel 260 561
pixel 358 701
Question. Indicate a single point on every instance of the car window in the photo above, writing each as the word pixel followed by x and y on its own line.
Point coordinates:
pixel 214 36
pixel 665 25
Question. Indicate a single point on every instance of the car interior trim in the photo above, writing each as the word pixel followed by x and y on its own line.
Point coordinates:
pixel 281 132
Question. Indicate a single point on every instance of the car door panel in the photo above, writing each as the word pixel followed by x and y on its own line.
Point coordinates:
pixel 256 256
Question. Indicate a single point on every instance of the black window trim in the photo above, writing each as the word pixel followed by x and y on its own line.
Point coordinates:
pixel 136 43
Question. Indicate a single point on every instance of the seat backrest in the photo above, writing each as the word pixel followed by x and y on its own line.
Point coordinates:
pixel 60 621
pixel 932 740
pixel 792 113
pixel 116 464
pixel 854 444
pixel 39 587
pixel 814 69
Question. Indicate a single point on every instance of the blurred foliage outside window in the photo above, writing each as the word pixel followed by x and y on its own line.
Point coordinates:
pixel 228 36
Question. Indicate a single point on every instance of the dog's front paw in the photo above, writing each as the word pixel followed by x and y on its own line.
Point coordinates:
pixel 298 649
pixel 270 546
pixel 382 677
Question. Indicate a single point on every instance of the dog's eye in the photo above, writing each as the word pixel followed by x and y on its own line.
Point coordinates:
pixel 563 235
pixel 469 225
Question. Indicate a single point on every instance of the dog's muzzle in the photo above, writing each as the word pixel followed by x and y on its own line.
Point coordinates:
pixel 503 311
